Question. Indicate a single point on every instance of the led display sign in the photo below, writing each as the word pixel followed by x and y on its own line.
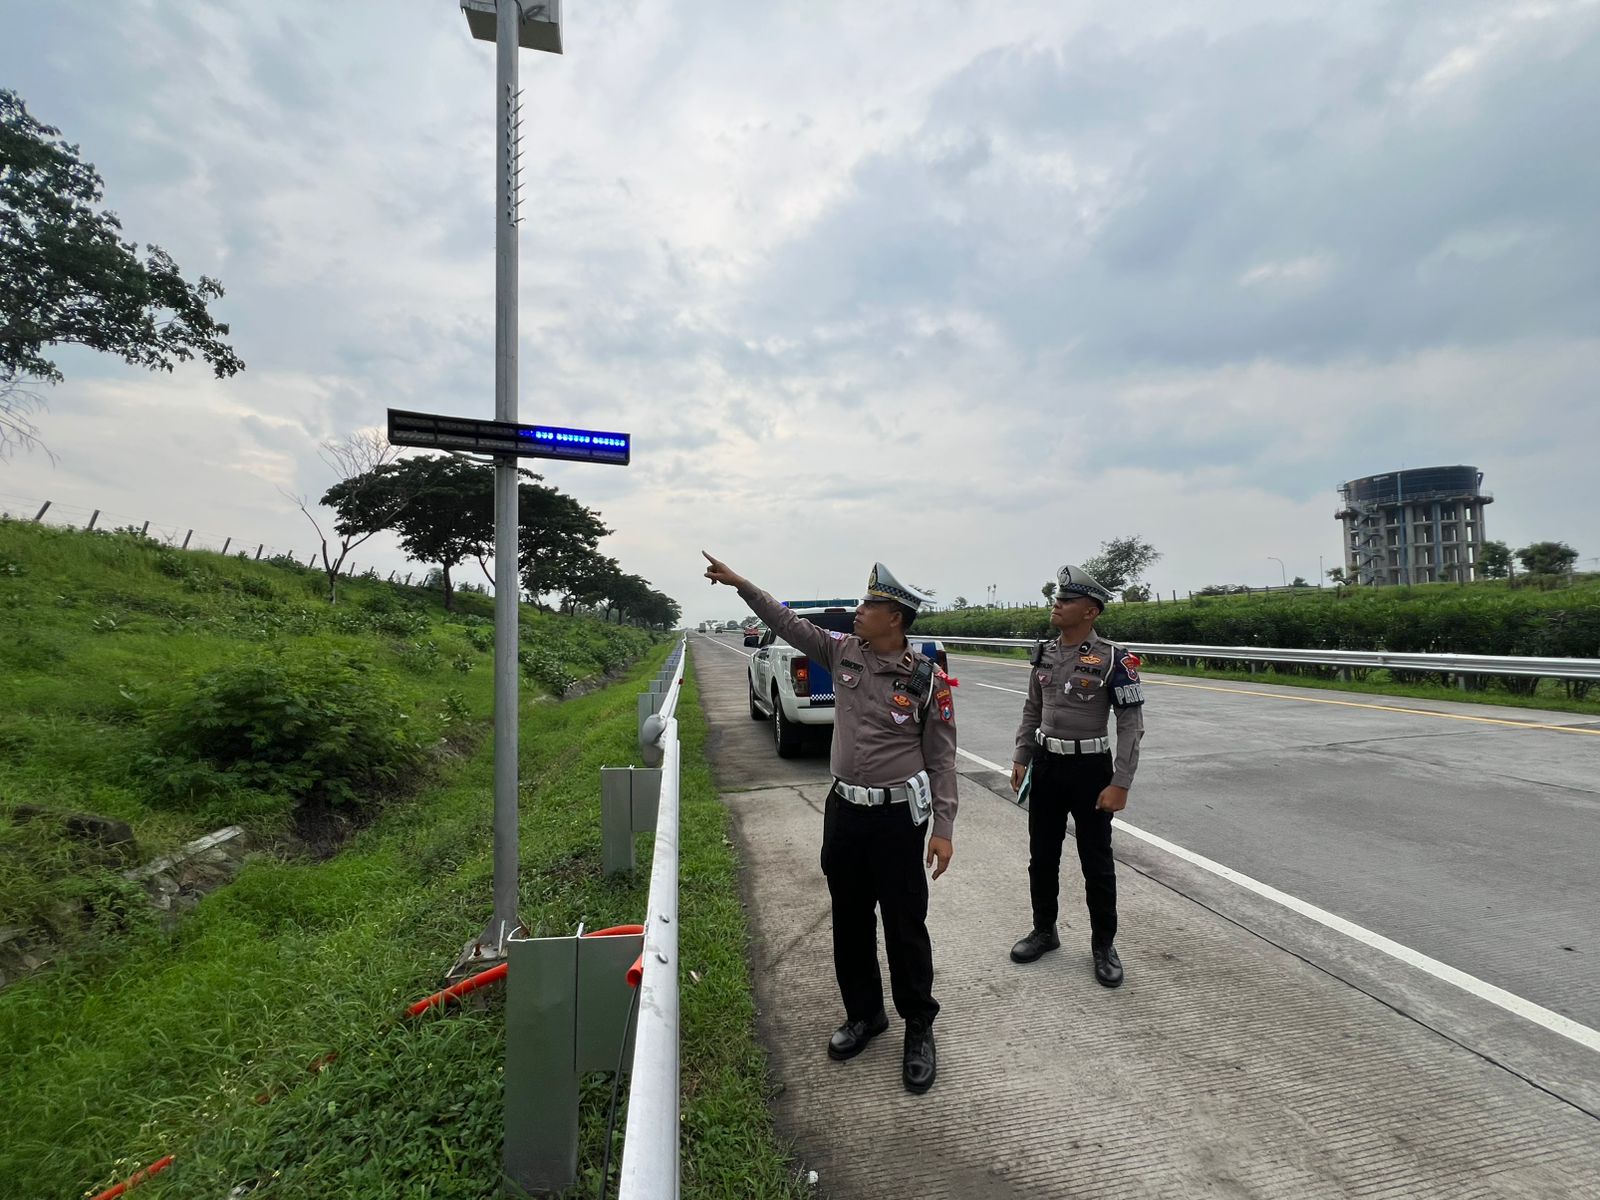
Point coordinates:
pixel 431 432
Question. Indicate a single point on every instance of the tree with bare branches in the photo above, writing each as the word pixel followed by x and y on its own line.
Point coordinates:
pixel 365 501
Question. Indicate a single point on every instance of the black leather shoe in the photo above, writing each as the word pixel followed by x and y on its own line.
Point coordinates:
pixel 1107 965
pixel 922 1060
pixel 851 1038
pixel 1035 945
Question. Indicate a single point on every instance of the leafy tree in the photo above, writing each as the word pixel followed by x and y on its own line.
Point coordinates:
pixel 1049 591
pixel 557 537
pixel 1547 558
pixel 1495 559
pixel 451 515
pixel 629 596
pixel 1121 562
pixel 1139 592
pixel 68 278
pixel 593 583
pixel 1299 581
pixel 960 601
pixel 1340 575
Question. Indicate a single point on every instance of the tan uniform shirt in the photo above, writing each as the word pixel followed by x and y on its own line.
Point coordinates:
pixel 882 734
pixel 1071 693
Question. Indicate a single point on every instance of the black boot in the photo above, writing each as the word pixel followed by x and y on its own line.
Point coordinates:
pixel 1035 944
pixel 851 1038
pixel 1107 965
pixel 922 1060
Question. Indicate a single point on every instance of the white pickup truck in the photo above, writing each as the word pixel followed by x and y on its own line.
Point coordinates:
pixel 795 690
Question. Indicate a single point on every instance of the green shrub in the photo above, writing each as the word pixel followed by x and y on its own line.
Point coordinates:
pixel 422 657
pixel 549 668
pixel 1442 618
pixel 323 730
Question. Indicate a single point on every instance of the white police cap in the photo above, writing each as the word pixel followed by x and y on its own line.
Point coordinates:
pixel 1075 581
pixel 882 585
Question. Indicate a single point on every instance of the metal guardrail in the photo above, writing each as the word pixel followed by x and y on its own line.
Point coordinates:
pixel 1447 664
pixel 650 1167
pixel 568 998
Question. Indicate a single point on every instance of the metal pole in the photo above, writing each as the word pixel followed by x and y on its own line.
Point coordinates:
pixel 504 923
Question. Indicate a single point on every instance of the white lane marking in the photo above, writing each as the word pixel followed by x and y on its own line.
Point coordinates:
pixel 993 687
pixel 984 762
pixel 706 638
pixel 1471 984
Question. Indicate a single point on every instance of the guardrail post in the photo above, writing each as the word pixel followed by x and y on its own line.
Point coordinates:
pixel 649 703
pixel 629 800
pixel 567 1002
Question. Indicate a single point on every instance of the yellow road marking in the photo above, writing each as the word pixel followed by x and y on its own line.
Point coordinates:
pixel 1417 712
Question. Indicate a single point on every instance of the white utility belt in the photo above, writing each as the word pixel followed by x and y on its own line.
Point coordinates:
pixel 915 788
pixel 1099 745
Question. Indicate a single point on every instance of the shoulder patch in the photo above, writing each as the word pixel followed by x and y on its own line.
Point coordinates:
pixel 1126 690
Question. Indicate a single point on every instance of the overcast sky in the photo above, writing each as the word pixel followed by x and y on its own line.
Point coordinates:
pixel 967 288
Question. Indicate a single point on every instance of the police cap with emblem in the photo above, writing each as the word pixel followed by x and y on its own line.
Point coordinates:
pixel 882 585
pixel 1075 581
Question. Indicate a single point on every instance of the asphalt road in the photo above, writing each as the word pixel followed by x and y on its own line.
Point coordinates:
pixel 1343 918
pixel 1467 834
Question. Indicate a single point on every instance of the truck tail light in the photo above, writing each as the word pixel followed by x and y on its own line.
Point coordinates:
pixel 800 673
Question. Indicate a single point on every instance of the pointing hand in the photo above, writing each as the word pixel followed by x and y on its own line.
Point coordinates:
pixel 720 572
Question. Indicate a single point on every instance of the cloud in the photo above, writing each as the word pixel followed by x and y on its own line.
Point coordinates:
pixel 968 295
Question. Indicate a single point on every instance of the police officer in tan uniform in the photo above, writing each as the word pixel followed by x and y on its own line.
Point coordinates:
pixel 894 767
pixel 1077 682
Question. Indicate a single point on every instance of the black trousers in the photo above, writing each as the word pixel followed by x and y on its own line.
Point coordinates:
pixel 873 858
pixel 1063 786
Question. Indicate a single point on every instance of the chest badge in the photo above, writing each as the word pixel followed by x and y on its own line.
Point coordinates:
pixel 903 700
pixel 900 718
pixel 1090 660
pixel 846 678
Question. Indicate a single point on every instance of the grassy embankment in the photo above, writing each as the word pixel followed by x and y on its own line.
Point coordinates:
pixel 1483 618
pixel 259 1040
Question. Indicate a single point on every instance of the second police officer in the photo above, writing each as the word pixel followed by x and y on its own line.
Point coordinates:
pixel 894 765
pixel 1076 682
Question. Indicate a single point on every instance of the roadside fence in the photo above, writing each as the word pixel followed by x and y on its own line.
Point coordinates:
pixel 176 536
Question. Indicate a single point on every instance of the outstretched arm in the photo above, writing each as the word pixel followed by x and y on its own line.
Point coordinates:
pixel 798 632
